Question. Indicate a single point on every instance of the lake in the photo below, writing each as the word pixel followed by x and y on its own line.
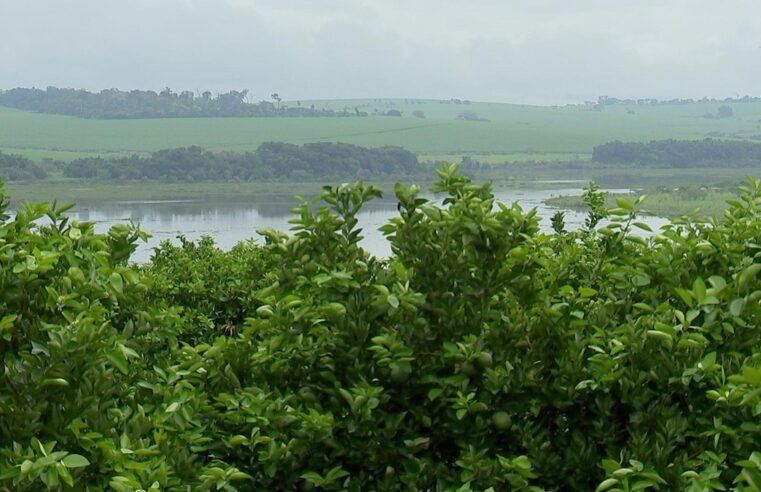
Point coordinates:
pixel 232 219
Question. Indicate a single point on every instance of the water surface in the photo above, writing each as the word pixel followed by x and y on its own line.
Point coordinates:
pixel 233 219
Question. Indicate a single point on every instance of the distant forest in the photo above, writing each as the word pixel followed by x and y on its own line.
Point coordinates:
pixel 18 168
pixel 680 153
pixel 271 161
pixel 116 104
pixel 614 101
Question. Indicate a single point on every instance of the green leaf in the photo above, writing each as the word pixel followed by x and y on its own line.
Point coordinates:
pixel 643 226
pixel 587 292
pixel 685 296
pixel 752 477
pixel 434 393
pixel 119 361
pixel 54 382
pixel 624 203
pixel 313 478
pixel 606 484
pixel 75 461
pixel 335 473
pixel 748 274
pixel 116 282
pixel 641 280
pixel 393 301
pixel 736 306
pixel 699 290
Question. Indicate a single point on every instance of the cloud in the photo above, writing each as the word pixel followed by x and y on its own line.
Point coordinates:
pixel 543 51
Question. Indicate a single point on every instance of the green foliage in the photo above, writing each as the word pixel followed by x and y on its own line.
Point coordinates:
pixel 595 200
pixel 680 153
pixel 482 355
pixel 17 168
pixel 270 161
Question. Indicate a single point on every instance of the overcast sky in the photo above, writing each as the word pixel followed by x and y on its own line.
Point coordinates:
pixel 529 51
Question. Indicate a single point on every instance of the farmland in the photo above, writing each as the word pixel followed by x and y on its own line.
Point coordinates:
pixel 513 132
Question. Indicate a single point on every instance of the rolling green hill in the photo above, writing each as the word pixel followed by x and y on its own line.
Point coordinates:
pixel 513 132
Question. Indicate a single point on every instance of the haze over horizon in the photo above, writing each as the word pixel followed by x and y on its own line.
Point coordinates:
pixel 541 52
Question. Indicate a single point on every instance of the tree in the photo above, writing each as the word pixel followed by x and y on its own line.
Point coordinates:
pixel 277 98
pixel 725 112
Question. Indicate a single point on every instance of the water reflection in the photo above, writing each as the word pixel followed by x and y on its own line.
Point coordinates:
pixel 235 219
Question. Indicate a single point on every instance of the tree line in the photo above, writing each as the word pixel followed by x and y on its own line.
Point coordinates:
pixel 680 153
pixel 614 101
pixel 271 161
pixel 14 167
pixel 116 104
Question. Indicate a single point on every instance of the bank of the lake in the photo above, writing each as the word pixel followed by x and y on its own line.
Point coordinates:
pixel 687 200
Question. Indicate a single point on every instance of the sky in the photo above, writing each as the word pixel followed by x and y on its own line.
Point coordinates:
pixel 530 51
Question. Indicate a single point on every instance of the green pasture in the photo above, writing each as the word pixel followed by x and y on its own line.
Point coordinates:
pixel 514 132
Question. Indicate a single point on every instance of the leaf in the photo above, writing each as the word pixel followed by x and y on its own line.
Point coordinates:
pixel 624 203
pixel 116 282
pixel 434 393
pixel 6 327
pixel 393 301
pixel 747 274
pixel 643 226
pixel 736 306
pixel 335 474
pixel 119 361
pixel 717 283
pixel 587 292
pixel 75 461
pixel 54 382
pixel 610 465
pixel 752 477
pixel 684 295
pixel 606 484
pixel 699 290
pixel 313 477
pixel 641 280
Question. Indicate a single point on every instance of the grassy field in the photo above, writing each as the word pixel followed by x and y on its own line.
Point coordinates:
pixel 514 132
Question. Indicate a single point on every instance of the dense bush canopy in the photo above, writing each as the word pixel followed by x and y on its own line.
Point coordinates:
pixel 18 168
pixel 482 355
pixel 313 161
pixel 116 104
pixel 681 153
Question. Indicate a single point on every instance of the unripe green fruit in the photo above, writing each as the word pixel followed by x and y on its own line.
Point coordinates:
pixel 501 420
pixel 264 311
pixel 307 486
pixel 484 360
pixel 468 368
pixel 399 374
pixel 307 396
